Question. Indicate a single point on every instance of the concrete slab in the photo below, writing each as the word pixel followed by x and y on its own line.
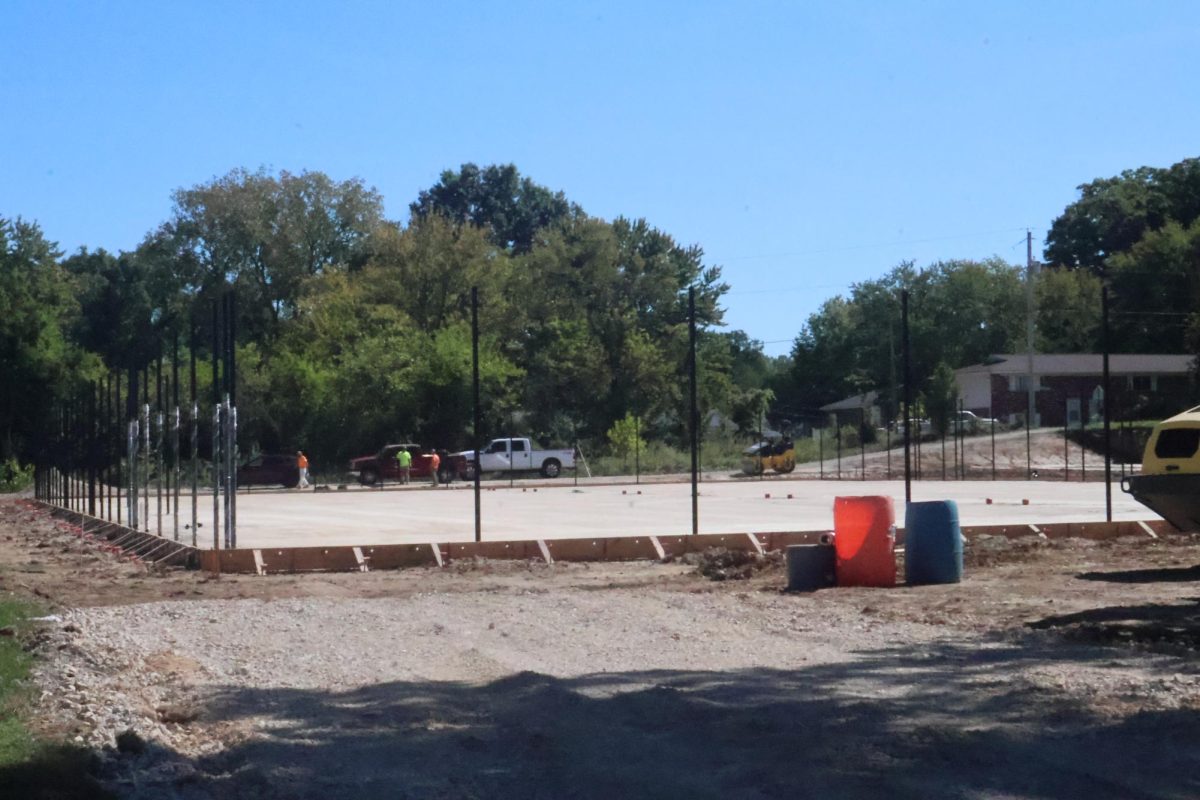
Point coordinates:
pixel 421 514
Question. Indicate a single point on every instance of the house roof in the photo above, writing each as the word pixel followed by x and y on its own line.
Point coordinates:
pixel 853 403
pixel 1082 364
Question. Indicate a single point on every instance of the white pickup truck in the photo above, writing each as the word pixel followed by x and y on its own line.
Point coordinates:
pixel 517 455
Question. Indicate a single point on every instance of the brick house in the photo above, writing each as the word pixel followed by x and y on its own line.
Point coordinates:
pixel 1068 387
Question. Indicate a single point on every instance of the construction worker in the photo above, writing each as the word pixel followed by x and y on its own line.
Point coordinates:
pixel 404 459
pixel 435 461
pixel 302 465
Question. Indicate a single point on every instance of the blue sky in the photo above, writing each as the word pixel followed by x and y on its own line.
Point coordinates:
pixel 804 146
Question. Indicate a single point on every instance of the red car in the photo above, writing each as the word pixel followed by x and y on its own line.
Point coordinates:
pixel 270 470
pixel 383 466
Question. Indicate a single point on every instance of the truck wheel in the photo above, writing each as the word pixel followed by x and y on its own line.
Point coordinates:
pixel 369 477
pixel 468 472
pixel 551 467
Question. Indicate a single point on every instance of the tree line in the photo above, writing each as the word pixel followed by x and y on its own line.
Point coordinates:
pixel 353 329
pixel 1138 233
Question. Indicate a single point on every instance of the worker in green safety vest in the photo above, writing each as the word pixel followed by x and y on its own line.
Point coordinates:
pixel 404 459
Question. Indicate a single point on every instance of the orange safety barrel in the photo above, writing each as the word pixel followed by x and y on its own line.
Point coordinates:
pixel 864 537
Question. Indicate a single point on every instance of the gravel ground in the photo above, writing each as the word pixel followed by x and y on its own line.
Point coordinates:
pixel 629 680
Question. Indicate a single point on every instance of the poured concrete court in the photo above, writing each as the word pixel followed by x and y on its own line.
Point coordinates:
pixel 422 514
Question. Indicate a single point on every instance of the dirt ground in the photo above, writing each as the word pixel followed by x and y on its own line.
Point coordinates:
pixel 1056 669
pixel 1048 456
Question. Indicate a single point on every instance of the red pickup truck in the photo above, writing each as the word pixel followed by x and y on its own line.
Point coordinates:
pixel 383 466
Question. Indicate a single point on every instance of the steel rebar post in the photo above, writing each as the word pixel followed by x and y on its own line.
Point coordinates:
pixel 145 518
pixel 92 444
pixel 943 451
pixel 637 449
pixel 216 476
pixel 233 464
pixel 175 459
pixel 194 433
pixel 838 432
pixel 1082 444
pixel 158 477
pixel 226 459
pixel 862 441
pixel 1066 443
pixel 133 436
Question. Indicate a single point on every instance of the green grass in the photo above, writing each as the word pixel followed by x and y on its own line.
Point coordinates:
pixel 30 768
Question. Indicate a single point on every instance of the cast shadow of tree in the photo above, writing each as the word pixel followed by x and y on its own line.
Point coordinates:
pixel 945 722
pixel 1157 575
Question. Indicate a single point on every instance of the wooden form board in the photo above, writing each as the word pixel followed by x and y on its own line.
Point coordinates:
pixel 363 558
pixel 619 548
pixel 146 546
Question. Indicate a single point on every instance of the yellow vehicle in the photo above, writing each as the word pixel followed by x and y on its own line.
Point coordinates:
pixel 779 456
pixel 1169 483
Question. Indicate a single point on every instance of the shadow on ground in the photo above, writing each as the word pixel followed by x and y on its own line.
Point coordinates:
pixel 1161 575
pixel 1168 626
pixel 948 722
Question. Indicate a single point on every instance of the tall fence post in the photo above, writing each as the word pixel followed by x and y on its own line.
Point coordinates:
pixel 477 423
pixel 694 416
pixel 1107 407
pixel 907 396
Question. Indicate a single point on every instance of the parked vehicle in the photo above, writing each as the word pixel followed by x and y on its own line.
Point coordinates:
pixel 517 455
pixel 779 455
pixel 1169 484
pixel 973 423
pixel 924 427
pixel 383 466
pixel 270 470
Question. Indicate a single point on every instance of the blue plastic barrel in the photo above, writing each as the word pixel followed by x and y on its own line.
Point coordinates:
pixel 933 551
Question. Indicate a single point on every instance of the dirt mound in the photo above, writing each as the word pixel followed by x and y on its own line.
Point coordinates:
pixel 720 564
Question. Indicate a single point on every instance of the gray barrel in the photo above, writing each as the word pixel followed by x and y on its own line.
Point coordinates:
pixel 810 567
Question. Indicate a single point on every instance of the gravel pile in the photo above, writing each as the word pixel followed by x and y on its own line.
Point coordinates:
pixel 212 692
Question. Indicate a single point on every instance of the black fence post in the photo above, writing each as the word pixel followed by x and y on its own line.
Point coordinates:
pixel 694 416
pixel 477 423
pixel 1107 406
pixel 862 442
pixel 907 396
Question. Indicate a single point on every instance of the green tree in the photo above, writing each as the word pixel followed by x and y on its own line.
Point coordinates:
pixel 624 437
pixel 941 397
pixel 959 312
pixel 512 209
pixel 37 357
pixel 1068 311
pixel 1113 214
pixel 119 316
pixel 1156 291
pixel 266 236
